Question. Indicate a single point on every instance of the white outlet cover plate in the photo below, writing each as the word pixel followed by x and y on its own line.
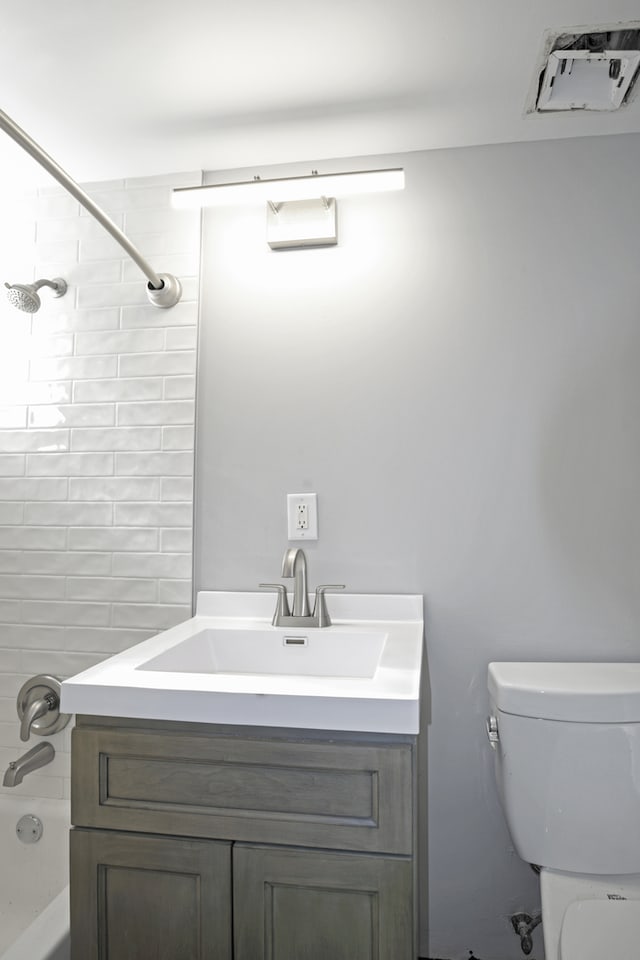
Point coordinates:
pixel 294 500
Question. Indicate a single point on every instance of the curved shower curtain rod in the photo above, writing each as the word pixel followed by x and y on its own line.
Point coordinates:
pixel 163 289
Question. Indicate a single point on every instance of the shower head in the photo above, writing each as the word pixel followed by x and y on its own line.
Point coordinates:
pixel 25 297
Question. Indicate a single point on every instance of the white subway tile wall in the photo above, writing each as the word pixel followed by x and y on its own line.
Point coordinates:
pixel 97 395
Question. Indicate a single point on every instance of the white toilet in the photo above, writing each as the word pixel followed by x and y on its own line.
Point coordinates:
pixel 567 758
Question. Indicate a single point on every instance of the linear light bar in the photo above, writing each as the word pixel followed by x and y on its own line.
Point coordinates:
pixel 290 188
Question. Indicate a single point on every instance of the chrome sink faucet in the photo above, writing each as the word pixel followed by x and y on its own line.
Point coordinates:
pixel 294 565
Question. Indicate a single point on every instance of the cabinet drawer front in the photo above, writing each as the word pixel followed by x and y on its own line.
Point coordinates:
pixel 344 796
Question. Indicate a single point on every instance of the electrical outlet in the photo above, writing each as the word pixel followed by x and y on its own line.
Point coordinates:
pixel 302 516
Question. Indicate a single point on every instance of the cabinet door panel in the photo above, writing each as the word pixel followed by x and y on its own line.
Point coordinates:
pixel 149 898
pixel 310 905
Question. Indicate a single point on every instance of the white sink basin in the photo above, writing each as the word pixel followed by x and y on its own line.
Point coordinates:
pixel 227 664
pixel 330 652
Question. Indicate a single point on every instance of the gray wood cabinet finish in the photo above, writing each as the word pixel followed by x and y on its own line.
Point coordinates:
pixel 310 905
pixel 307 841
pixel 139 897
pixel 346 797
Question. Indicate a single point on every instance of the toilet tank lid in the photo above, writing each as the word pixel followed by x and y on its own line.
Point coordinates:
pixel 578 692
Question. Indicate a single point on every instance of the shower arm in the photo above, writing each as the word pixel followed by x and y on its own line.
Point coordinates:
pixel 163 289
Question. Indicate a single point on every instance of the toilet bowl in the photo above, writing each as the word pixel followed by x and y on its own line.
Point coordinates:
pixel 601 929
pixel 590 918
pixel 566 738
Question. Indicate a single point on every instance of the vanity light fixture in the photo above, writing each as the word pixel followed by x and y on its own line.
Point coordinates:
pixel 301 211
pixel 282 189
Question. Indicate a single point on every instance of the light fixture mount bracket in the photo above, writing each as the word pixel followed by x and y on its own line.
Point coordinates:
pixel 302 223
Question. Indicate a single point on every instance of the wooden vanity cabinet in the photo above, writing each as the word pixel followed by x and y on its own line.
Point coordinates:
pixel 198 842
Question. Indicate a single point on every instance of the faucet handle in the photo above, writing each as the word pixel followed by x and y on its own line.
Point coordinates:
pixel 38 706
pixel 282 605
pixel 34 711
pixel 320 606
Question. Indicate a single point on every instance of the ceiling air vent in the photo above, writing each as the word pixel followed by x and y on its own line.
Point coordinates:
pixel 587 69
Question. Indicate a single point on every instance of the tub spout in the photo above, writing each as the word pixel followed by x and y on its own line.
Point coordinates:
pixel 27 763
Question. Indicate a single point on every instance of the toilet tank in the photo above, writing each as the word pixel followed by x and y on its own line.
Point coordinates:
pixel 567 761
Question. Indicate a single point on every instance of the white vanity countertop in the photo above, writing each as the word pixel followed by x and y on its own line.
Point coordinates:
pixel 386 702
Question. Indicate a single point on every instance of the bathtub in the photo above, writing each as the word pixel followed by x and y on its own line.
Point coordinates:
pixel 34 896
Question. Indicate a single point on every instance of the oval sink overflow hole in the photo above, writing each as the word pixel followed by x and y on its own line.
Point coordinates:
pixel 29 828
pixel 295 641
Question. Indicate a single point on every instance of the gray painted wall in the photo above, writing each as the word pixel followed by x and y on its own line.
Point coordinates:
pixel 458 381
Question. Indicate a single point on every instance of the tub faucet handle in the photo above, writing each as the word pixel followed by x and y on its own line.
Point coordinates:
pixel 34 711
pixel 38 706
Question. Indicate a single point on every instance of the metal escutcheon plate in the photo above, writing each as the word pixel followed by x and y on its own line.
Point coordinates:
pixel 29 828
pixel 35 689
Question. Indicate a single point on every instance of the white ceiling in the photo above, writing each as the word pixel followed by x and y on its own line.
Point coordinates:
pixel 114 88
